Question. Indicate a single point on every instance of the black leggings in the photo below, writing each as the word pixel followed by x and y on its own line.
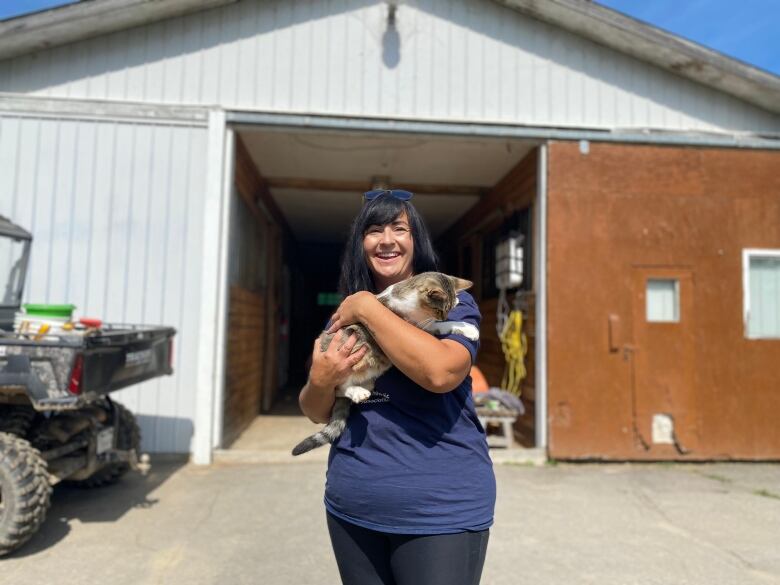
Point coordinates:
pixel 368 557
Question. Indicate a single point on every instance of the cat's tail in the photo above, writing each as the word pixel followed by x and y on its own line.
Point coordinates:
pixel 330 432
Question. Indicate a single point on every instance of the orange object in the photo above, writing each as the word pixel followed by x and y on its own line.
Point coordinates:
pixel 478 381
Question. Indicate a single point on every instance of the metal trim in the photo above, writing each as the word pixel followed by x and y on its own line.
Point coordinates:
pixel 540 420
pixel 218 408
pixel 12 105
pixel 209 378
pixel 284 122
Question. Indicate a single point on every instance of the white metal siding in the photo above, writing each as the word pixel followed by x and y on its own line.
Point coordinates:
pixel 115 210
pixel 459 59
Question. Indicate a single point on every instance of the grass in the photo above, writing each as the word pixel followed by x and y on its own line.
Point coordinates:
pixel 766 494
pixel 716 477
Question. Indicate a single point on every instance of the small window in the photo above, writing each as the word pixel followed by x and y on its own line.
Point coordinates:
pixel 663 300
pixel 761 283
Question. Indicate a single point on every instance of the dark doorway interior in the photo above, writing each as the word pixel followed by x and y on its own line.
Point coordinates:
pixel 314 285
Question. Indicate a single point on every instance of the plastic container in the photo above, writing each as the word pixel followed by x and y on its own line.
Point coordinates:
pixel 49 311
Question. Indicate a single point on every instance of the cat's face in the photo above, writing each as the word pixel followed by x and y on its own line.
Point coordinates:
pixel 430 295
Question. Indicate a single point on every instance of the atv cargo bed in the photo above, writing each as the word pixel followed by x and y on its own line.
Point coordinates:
pixel 66 371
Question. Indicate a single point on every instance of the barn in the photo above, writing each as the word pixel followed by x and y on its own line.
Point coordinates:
pixel 197 164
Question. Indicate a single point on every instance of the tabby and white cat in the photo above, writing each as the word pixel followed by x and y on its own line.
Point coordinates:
pixel 423 300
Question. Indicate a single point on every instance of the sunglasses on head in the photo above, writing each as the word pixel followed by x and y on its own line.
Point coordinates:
pixel 399 194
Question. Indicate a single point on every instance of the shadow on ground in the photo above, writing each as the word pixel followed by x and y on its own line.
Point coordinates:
pixel 109 503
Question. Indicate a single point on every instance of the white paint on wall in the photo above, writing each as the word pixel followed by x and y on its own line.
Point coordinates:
pixel 210 336
pixel 116 213
pixel 459 60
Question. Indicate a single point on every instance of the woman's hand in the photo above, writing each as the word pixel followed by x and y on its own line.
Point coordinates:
pixel 329 368
pixel 333 366
pixel 350 310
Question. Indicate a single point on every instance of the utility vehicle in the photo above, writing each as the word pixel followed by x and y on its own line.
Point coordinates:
pixel 57 420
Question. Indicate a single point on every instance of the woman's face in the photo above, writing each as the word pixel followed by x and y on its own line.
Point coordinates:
pixel 389 250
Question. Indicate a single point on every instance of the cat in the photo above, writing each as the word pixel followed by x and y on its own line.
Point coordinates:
pixel 423 300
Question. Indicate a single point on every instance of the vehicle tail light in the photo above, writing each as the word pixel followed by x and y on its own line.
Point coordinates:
pixel 74 387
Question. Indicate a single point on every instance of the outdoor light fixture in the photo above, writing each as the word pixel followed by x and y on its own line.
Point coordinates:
pixel 391 40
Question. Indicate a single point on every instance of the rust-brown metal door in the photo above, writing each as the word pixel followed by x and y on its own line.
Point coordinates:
pixel 666 414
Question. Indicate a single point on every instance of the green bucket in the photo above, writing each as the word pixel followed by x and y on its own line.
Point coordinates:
pixel 52 311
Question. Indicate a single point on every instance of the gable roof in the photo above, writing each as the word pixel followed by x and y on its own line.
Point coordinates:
pixel 90 18
pixel 653 45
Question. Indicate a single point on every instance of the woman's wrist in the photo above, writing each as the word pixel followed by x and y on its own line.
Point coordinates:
pixel 319 386
pixel 366 307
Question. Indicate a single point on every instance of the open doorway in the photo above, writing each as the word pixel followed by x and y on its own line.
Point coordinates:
pixel 299 191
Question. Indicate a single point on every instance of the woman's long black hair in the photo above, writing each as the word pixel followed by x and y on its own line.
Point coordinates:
pixel 355 274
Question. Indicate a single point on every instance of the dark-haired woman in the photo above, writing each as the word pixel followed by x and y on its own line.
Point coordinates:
pixel 410 489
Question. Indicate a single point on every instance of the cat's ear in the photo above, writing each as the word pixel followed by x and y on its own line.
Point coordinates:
pixel 461 283
pixel 436 294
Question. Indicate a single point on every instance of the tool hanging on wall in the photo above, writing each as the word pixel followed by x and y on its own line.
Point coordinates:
pixel 515 346
pixel 509 323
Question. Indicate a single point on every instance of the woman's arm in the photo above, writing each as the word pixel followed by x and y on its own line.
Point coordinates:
pixel 328 369
pixel 438 365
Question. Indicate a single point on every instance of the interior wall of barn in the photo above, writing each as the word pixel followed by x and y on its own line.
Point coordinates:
pixel 469 244
pixel 116 212
pixel 259 302
pixel 618 217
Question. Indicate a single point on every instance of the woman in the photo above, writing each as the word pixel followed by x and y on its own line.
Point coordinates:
pixel 410 490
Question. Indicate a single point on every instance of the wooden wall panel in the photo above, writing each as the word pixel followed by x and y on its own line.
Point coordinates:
pixel 245 339
pixel 516 191
pixel 253 189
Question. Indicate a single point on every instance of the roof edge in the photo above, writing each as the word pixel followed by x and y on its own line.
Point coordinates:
pixel 602 25
pixel 643 41
pixel 88 18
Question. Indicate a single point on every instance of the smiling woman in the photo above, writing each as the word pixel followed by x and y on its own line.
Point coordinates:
pixel 389 250
pixel 388 238
pixel 410 490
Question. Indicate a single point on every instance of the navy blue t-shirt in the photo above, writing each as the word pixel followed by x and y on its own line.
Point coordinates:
pixel 411 461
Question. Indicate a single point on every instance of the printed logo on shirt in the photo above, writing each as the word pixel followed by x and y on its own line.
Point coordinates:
pixel 376 397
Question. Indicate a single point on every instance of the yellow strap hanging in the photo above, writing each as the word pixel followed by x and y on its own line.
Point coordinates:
pixel 515 346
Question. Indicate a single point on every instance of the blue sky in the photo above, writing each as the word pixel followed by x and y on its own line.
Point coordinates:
pixel 745 29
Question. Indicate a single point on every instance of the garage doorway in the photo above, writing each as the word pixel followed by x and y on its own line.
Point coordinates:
pixel 296 193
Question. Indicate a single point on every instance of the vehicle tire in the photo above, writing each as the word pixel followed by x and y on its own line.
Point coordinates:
pixel 16 420
pixel 25 492
pixel 129 437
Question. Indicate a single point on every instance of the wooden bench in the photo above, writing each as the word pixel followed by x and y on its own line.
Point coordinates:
pixel 505 421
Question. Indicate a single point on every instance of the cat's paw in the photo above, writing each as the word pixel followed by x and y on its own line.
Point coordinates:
pixel 357 393
pixel 467 330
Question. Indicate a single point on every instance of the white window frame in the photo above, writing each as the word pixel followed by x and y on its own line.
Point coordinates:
pixel 747 253
pixel 676 299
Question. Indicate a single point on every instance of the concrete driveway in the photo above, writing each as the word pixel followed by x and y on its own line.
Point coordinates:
pixel 562 524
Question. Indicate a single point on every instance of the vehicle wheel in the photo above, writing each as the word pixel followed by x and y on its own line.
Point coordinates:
pixel 16 420
pixel 25 492
pixel 129 437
